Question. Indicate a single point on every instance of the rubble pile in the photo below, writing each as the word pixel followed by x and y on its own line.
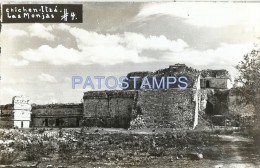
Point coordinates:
pixel 137 123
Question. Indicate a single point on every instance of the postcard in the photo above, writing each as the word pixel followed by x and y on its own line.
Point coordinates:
pixel 130 84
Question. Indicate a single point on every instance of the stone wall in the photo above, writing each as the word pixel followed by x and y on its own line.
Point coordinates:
pixel 6 116
pixel 221 73
pixel 172 108
pixel 108 108
pixel 57 115
pixel 215 83
pixel 215 79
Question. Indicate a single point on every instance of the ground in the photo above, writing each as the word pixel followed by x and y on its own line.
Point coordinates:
pixel 97 147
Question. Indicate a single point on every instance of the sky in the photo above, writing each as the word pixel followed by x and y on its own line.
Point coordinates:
pixel 39 60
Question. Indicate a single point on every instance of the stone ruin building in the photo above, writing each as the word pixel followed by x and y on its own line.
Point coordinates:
pixel 17 114
pixel 207 92
pixel 206 96
pixel 57 115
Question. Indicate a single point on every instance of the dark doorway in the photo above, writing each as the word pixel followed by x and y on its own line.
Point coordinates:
pixel 57 122
pixel 77 122
pixel 207 84
pixel 21 124
pixel 46 122
pixel 209 108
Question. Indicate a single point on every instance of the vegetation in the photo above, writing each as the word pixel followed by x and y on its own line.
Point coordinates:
pixel 71 146
pixel 248 81
pixel 248 85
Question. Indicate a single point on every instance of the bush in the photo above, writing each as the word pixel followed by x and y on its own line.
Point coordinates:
pixel 33 152
pixel 66 149
pixel 7 156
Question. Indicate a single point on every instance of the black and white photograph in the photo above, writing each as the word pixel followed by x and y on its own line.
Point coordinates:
pixel 129 84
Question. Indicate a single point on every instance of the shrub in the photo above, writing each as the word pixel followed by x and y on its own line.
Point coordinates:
pixel 33 152
pixel 7 156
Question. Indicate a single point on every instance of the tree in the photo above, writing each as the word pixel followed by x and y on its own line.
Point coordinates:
pixel 248 81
